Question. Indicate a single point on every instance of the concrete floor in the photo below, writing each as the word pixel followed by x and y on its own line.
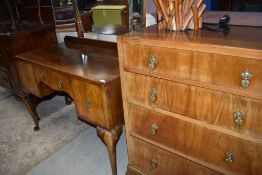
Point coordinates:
pixel 85 155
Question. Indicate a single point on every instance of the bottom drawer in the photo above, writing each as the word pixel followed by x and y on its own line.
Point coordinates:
pixel 212 146
pixel 152 160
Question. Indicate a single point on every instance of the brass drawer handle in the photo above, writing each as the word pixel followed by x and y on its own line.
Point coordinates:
pixel 88 103
pixel 246 76
pixel 59 84
pixel 153 95
pixel 154 163
pixel 152 63
pixel 229 157
pixel 42 77
pixel 154 129
pixel 239 117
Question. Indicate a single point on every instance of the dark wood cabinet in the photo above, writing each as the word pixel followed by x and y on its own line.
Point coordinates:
pixel 23 28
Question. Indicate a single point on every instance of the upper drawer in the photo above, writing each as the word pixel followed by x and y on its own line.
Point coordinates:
pixel 30 79
pixel 233 112
pixel 55 80
pixel 209 68
pixel 225 152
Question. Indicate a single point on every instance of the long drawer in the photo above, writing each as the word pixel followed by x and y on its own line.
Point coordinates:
pixel 226 152
pixel 236 113
pixel 222 70
pixel 153 160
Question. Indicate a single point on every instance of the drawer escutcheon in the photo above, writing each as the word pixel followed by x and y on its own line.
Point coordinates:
pixel 42 77
pixel 230 157
pixel 152 62
pixel 153 95
pixel 59 84
pixel 154 129
pixel 246 76
pixel 239 117
pixel 154 163
pixel 88 103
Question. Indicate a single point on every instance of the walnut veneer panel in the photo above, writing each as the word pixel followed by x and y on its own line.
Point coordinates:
pixel 198 66
pixel 90 102
pixel 197 141
pixel 30 81
pixel 99 104
pixel 165 161
pixel 202 104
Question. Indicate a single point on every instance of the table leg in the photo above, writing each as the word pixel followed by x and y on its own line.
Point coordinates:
pixel 110 140
pixel 31 107
pixel 31 101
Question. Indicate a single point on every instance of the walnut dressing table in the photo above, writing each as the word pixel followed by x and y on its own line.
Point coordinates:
pixel 192 101
pixel 88 71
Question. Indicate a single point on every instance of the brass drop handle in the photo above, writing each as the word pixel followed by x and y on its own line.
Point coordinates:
pixel 152 63
pixel 154 163
pixel 154 129
pixel 59 84
pixel 239 117
pixel 42 77
pixel 229 157
pixel 88 103
pixel 153 95
pixel 246 76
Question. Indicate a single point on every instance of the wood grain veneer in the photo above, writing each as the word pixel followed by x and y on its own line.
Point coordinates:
pixel 179 106
pixel 213 107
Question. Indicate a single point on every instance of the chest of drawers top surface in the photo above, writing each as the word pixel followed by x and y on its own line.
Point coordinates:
pixel 237 42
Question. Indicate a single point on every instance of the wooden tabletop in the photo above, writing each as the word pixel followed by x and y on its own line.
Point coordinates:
pixel 90 62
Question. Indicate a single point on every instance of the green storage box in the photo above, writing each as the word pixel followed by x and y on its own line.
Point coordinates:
pixel 109 14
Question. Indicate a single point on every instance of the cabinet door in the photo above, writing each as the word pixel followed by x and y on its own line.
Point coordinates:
pixel 89 102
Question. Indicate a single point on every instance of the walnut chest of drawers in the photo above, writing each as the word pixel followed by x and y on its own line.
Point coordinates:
pixel 192 101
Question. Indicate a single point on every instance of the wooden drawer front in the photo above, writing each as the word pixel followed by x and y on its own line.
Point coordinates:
pixel 166 162
pixel 200 142
pixel 4 81
pixel 202 104
pixel 205 67
pixel 58 82
pixel 28 79
pixel 89 103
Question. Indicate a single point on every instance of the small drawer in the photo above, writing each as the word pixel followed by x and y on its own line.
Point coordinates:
pixel 235 72
pixel 58 81
pixel 226 152
pixel 152 160
pixel 240 114
pixel 89 103
pixel 4 80
pixel 29 79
